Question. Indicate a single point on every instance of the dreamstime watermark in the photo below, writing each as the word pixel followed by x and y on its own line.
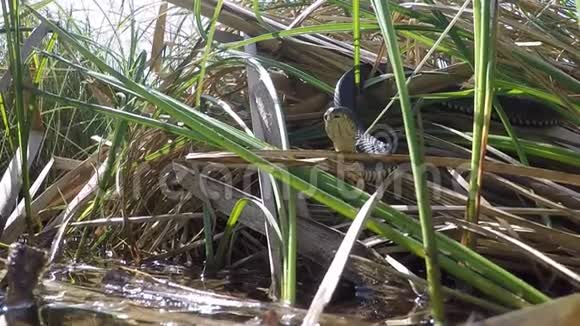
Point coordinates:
pixel 192 179
pixel 232 181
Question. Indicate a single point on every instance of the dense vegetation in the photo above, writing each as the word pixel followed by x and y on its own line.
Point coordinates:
pixel 128 115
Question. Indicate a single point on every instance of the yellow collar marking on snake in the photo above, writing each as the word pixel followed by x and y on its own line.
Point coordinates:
pixel 342 131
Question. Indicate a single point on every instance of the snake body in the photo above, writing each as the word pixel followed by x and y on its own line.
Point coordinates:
pixel 530 113
pixel 344 126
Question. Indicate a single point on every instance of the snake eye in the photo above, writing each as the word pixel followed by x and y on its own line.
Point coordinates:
pixel 336 112
pixel 327 115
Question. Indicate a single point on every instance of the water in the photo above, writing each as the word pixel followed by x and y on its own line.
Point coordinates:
pixel 118 295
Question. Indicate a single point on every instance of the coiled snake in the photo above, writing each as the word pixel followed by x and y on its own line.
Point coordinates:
pixel 345 128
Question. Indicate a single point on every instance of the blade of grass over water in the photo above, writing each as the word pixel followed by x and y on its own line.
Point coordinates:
pixel 328 286
pixel 232 222
pixel 399 227
pixel 220 255
pixel 209 221
pixel 417 162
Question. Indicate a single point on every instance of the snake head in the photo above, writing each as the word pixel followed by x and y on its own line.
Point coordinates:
pixel 341 127
pixel 338 112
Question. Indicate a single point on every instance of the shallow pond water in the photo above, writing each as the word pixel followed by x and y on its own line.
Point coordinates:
pixel 78 293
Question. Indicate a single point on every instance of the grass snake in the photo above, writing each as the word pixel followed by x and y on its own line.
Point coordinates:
pixel 346 129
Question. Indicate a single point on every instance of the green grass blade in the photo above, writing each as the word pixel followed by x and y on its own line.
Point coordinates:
pixel 198 21
pixel 511 132
pixel 356 40
pixel 257 13
pixel 208 223
pixel 482 109
pixel 578 12
pixel 11 11
pixel 332 276
pixel 417 162
pixel 226 238
pixel 206 52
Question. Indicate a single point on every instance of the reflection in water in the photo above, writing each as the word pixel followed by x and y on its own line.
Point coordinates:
pixel 78 294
